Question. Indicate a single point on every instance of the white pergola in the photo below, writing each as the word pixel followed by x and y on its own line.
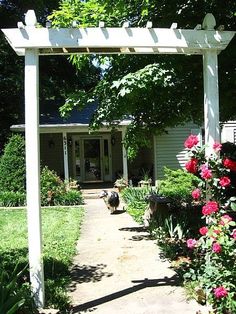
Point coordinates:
pixel 31 42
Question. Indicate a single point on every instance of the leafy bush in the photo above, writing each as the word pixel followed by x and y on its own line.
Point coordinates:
pixel 136 201
pixel 51 185
pixel 55 192
pixel 70 197
pixel 12 165
pixel 12 199
pixel 178 185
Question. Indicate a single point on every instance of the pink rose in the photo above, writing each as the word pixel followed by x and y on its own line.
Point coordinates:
pixel 234 234
pixel 196 194
pixel 191 165
pixel 216 247
pixel 225 181
pixel 225 219
pixel 210 208
pixel 191 141
pixel 220 292
pixel 203 231
pixel 217 147
pixel 191 243
pixel 230 164
pixel 205 172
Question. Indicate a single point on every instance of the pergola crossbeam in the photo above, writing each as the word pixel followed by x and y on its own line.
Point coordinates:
pixel 105 40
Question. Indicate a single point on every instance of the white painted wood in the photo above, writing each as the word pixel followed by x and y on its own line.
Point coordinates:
pixel 211 100
pixel 117 40
pixel 30 19
pixel 65 156
pixel 124 155
pixel 33 175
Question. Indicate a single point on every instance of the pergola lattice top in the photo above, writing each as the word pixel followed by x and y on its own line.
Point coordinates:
pixel 123 40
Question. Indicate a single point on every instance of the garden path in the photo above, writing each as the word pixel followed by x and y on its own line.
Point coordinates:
pixel 118 269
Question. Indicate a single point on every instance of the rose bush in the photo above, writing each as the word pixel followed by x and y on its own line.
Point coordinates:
pixel 213 253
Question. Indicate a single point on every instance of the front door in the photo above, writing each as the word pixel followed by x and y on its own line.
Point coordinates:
pixel 92 158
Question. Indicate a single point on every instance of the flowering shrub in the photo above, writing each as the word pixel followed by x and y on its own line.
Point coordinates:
pixel 214 266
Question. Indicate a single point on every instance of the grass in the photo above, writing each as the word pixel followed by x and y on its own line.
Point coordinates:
pixel 60 229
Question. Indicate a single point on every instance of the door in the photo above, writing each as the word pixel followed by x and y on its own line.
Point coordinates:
pixel 92 158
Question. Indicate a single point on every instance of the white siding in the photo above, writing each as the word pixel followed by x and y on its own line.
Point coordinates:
pixel 170 150
pixel 228 132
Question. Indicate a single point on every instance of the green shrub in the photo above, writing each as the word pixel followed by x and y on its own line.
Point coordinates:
pixel 12 165
pixel 12 199
pixel 135 199
pixel 178 185
pixel 51 185
pixel 70 197
pixel 55 192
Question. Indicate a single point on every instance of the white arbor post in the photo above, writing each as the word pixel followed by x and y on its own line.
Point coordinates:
pixel 124 154
pixel 211 91
pixel 65 156
pixel 33 173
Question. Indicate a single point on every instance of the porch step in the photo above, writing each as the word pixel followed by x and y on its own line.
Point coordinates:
pixel 93 193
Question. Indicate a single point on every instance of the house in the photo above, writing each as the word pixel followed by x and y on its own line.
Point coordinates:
pixel 73 151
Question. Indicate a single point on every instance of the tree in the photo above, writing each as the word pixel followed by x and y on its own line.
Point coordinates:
pixel 58 77
pixel 12 165
pixel 157 91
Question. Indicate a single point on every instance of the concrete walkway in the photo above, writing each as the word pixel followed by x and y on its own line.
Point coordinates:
pixel 118 269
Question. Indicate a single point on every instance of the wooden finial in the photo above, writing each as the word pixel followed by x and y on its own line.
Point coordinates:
pixel 30 18
pixel 209 22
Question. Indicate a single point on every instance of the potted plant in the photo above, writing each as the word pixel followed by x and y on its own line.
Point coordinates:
pixel 120 184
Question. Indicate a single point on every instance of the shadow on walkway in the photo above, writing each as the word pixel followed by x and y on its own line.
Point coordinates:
pixel 145 283
pixel 87 273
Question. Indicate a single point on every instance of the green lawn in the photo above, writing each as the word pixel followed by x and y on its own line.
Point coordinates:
pixel 61 229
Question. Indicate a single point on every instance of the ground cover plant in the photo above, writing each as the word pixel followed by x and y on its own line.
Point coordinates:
pixel 61 229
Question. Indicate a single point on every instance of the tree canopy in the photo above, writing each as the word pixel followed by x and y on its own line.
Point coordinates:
pixel 157 91
pixel 57 78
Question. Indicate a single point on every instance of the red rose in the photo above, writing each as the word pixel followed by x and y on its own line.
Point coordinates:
pixel 216 247
pixel 196 194
pixel 217 146
pixel 210 208
pixel 203 231
pixel 224 181
pixel 191 243
pixel 230 164
pixel 234 234
pixel 191 141
pixel 220 292
pixel 225 219
pixel 205 172
pixel 191 165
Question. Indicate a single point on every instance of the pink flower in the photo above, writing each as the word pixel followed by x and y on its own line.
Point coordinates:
pixel 230 164
pixel 217 146
pixel 220 292
pixel 191 243
pixel 205 172
pixel 196 194
pixel 210 208
pixel 225 219
pixel 203 231
pixel 224 181
pixel 216 247
pixel 234 234
pixel 191 165
pixel 191 141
